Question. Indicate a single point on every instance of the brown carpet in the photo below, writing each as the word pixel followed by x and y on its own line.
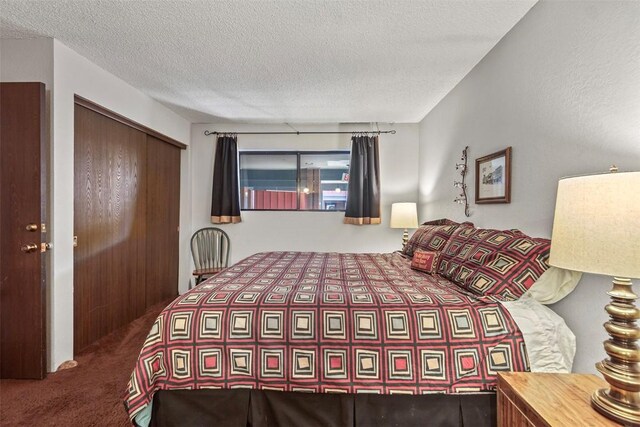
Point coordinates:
pixel 87 395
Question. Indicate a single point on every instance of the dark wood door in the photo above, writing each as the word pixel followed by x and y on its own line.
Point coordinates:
pixel 110 225
pixel 163 220
pixel 23 185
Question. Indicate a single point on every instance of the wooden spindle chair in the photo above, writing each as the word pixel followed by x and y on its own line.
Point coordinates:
pixel 210 250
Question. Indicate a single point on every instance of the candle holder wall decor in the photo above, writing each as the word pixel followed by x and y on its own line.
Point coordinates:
pixel 462 168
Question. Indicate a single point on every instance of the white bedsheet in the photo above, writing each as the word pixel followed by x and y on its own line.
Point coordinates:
pixel 551 345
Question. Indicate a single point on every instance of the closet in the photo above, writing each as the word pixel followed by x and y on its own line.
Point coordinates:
pixel 126 220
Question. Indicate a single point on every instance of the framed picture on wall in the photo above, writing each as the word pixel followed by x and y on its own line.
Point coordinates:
pixel 493 177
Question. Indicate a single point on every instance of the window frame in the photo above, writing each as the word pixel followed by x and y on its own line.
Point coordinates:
pixel 298 190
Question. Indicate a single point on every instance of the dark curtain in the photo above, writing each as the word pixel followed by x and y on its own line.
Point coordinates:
pixel 225 198
pixel 363 198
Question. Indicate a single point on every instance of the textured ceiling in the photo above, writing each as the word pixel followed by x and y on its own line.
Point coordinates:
pixel 278 61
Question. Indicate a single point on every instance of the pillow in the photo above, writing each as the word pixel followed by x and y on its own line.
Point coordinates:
pixel 441 221
pixel 498 263
pixel 473 247
pixel 507 272
pixel 426 261
pixel 554 284
pixel 431 236
pixel 453 246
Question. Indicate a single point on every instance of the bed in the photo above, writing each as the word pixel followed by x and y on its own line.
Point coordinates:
pixel 302 338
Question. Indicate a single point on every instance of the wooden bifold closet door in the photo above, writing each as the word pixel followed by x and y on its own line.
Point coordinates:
pixel 126 216
pixel 163 218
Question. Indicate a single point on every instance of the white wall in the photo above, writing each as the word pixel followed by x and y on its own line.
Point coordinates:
pixel 27 60
pixel 66 74
pixel 563 89
pixel 308 231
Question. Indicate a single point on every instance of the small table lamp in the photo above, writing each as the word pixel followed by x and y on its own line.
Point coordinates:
pixel 404 215
pixel 596 229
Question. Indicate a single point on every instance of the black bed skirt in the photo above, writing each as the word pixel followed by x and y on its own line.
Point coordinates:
pixel 260 408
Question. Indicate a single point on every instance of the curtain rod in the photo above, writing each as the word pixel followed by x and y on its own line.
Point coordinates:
pixel 378 132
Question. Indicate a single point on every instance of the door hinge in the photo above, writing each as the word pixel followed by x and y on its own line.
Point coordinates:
pixel 44 247
pixel 75 241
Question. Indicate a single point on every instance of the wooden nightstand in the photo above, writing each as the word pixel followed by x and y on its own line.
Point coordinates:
pixel 536 399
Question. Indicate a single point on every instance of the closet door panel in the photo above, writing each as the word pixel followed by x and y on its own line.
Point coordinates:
pixel 163 220
pixel 110 225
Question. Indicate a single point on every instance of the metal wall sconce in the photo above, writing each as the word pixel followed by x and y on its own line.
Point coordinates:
pixel 462 168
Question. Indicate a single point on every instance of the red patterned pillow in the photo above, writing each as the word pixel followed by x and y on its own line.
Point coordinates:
pixel 462 249
pixel 431 236
pixel 426 261
pixel 455 243
pixel 441 221
pixel 499 263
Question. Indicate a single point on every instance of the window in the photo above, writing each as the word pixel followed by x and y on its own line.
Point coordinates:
pixel 290 181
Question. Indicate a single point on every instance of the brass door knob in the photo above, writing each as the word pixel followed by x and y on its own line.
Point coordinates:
pixel 29 247
pixel 32 227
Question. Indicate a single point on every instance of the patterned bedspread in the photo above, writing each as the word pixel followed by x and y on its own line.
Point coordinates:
pixel 327 322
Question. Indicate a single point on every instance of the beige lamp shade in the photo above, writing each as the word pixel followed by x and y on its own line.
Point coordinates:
pixel 404 215
pixel 596 228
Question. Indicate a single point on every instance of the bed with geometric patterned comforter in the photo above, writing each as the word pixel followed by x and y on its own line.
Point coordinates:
pixel 325 323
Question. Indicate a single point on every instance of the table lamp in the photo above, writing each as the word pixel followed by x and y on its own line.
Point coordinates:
pixel 404 215
pixel 596 229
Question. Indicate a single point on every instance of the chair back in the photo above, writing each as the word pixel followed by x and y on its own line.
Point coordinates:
pixel 210 248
